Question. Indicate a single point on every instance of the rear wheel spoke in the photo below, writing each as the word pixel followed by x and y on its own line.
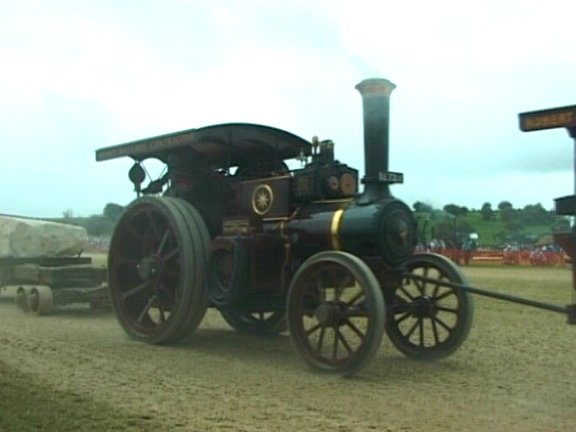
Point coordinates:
pixel 144 312
pixel 163 242
pixel 157 253
pixel 137 289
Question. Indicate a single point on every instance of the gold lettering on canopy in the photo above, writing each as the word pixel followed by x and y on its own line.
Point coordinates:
pixel 548 119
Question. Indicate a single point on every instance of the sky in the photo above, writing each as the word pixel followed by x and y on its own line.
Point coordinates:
pixel 76 76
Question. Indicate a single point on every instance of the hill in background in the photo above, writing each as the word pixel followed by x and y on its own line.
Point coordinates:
pixel 489 227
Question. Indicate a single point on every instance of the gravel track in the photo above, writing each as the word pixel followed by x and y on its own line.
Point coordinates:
pixel 516 372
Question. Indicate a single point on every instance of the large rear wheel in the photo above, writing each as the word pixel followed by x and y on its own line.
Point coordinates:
pixel 156 268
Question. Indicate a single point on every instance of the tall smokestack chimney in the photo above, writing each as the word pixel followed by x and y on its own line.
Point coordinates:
pixel 376 107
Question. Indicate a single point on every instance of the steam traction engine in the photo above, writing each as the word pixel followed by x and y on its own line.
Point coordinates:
pixel 230 226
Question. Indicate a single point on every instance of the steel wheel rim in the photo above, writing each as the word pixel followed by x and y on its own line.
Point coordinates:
pixel 336 313
pixel 150 272
pixel 34 300
pixel 430 320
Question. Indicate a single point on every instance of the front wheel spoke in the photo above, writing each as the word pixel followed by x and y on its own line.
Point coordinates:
pixel 420 285
pixel 335 346
pixel 144 312
pixel 405 315
pixel 412 329
pixel 356 312
pixel 447 309
pixel 321 339
pixel 355 329
pixel 444 295
pixel 443 324
pixel 353 300
pixel 436 289
pixel 406 293
pixel 312 329
pixel 342 285
pixel 344 341
pixel 421 331
pixel 435 332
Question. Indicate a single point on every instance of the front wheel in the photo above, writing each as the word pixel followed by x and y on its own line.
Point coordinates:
pixel 429 319
pixel 336 312
pixel 22 299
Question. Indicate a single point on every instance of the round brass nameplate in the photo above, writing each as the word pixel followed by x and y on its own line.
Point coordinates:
pixel 262 199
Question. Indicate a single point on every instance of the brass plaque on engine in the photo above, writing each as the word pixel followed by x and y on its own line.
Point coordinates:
pixel 265 198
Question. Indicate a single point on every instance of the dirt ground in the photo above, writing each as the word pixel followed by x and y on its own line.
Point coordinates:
pixel 516 372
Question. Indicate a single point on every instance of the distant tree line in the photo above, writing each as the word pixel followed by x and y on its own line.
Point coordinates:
pixel 101 225
pixel 449 223
pixel 531 214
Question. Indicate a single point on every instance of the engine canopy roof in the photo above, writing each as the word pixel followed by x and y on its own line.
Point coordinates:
pixel 220 146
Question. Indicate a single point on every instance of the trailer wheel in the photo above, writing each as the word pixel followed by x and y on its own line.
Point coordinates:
pixel 428 320
pixel 21 299
pixel 255 323
pixel 156 266
pixel 336 312
pixel 41 300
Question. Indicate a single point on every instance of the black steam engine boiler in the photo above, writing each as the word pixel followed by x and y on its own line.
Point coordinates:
pixel 230 226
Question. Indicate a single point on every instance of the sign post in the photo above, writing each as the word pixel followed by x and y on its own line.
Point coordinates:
pixel 551 119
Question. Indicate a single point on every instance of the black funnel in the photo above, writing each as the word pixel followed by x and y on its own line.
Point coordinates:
pixel 376 106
